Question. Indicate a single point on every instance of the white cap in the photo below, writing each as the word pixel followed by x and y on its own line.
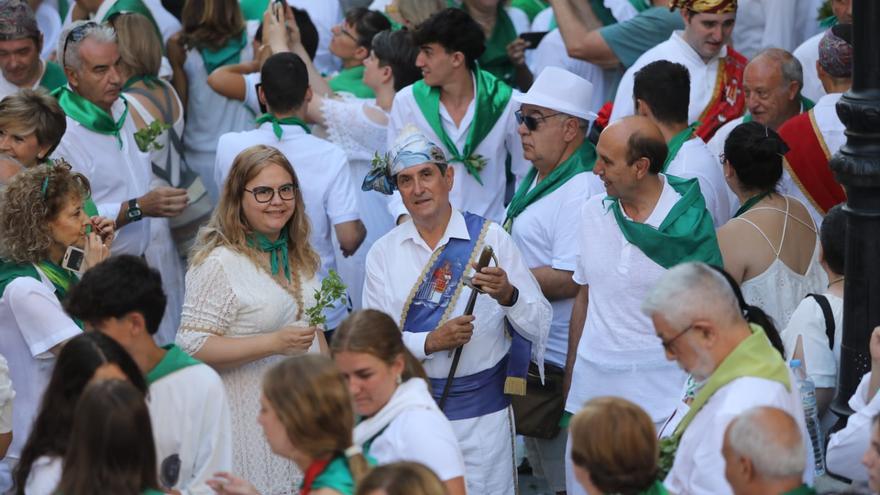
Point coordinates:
pixel 558 89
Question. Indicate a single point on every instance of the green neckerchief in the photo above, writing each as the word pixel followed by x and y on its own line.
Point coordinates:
pixel 351 80
pixel 148 79
pixel 395 26
pixel 61 278
pixel 640 5
pixel 828 22
pixel 53 76
pixel 277 123
pixel 230 53
pixel 132 7
pixel 175 359
pixel 801 490
pixel 750 203
pixel 252 10
pixel 491 95
pixel 63 7
pixel 656 489
pixel 686 234
pixel 806 104
pixel 494 59
pixel 277 250
pixel 677 142
pixel 90 115
pixel 582 160
pixel 530 7
pixel 754 357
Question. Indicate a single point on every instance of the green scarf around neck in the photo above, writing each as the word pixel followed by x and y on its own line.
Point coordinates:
pixel 133 7
pixel 351 81
pixel 677 142
pixel 277 250
pixel 751 202
pixel 277 123
pixel 53 76
pixel 229 54
pixel 531 7
pixel 61 278
pixel 149 81
pixel 494 59
pixel 491 95
pixel 252 10
pixel 582 160
pixel 686 234
pixel 90 115
pixel 175 359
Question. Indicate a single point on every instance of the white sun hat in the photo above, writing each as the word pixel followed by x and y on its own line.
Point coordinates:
pixel 558 89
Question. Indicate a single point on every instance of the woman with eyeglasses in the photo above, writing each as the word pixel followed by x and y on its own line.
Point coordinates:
pixel 41 221
pixel 252 275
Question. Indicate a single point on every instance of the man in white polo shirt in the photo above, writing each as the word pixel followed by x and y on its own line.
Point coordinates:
pixel 321 167
pixel 554 117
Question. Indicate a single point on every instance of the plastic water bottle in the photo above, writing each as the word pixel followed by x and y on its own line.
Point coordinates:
pixel 811 413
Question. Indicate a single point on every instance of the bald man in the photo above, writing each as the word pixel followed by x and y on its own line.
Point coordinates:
pixel 764 452
pixel 648 223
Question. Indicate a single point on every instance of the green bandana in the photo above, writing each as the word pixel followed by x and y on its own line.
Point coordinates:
pixel 277 123
pixel 530 7
pixel 53 77
pixel 229 54
pixel 90 115
pixel 133 7
pixel 750 203
pixel 677 142
pixel 656 489
pixel 175 359
pixel 494 59
pixel 582 160
pixel 252 10
pixel 61 278
pixel 277 250
pixel 149 81
pixel 801 490
pixel 806 104
pixel 491 98
pixel 686 234
pixel 351 81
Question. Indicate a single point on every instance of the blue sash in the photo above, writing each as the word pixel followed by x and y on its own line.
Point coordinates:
pixel 474 395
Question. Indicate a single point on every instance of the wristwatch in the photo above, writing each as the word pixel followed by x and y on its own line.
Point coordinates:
pixel 134 212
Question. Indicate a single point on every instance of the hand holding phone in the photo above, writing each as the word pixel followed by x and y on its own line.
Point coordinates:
pixel 533 38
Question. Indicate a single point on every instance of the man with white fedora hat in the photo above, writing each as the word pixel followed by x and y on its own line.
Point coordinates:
pixel 553 120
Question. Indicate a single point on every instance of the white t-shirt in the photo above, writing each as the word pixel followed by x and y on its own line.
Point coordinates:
pixel 326 182
pixel 44 476
pixel 762 24
pixel 543 233
pixel 847 446
pixel 695 161
pixel 32 322
pixel 808 54
pixel 7 394
pixel 808 321
pixel 251 99
pixel 619 353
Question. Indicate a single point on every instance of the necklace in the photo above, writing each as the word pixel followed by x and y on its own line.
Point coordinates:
pixel 834 282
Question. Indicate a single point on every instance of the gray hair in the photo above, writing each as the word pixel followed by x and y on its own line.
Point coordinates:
pixel 101 33
pixel 689 291
pixel 775 447
pixel 792 70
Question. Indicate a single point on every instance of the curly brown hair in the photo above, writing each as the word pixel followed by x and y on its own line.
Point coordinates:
pixel 32 199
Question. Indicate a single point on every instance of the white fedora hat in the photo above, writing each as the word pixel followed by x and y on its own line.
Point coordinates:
pixel 560 90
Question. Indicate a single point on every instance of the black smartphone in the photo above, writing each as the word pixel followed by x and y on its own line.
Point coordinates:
pixel 73 259
pixel 534 38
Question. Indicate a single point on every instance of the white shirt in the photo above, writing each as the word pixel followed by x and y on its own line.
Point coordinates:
pixel 32 322
pixel 467 194
pixel 762 24
pixel 618 340
pixel 190 417
pixel 808 322
pixel 699 465
pixel 394 266
pixel 847 446
pixel 326 185
pixel 45 475
pixel 251 99
pixel 115 175
pixel 675 49
pixel 543 232
pixel 808 54
pixel 832 130
pixel 695 161
pixel 551 52
pixel 7 394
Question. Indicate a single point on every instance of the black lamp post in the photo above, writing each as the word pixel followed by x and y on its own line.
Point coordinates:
pixel 857 168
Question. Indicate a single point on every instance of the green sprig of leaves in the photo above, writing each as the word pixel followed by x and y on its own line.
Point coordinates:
pixel 146 137
pixel 668 446
pixel 332 290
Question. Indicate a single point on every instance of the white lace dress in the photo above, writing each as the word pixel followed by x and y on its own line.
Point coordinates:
pixel 228 295
pixel 352 125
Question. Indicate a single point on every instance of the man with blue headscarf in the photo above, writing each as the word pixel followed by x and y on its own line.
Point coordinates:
pixel 416 273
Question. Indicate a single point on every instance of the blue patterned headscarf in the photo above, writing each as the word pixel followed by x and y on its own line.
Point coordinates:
pixel 410 149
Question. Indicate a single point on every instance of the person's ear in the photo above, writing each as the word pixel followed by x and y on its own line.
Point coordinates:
pixel 137 323
pixel 387 73
pixel 458 59
pixel 792 91
pixel 40 44
pixel 643 167
pixel 361 53
pixel 571 129
pixel 308 96
pixel 261 95
pixel 642 108
pixel 398 365
pixel 449 176
pixel 746 468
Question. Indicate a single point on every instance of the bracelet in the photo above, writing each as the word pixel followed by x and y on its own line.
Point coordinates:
pixel 513 298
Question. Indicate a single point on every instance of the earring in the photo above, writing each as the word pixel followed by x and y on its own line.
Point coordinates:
pixel 399 379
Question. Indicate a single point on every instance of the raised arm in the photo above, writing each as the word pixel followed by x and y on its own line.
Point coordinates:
pixel 580 31
pixel 228 80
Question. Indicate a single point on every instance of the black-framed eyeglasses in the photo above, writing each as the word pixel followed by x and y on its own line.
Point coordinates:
pixel 76 34
pixel 667 344
pixel 532 122
pixel 264 194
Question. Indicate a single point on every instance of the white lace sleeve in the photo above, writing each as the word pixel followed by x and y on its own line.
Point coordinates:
pixel 348 128
pixel 209 307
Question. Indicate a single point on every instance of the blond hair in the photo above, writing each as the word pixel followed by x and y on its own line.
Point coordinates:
pixel 32 199
pixel 228 226
pixel 373 332
pixel 34 111
pixel 139 45
pixel 615 441
pixel 312 401
pixel 418 11
pixel 402 478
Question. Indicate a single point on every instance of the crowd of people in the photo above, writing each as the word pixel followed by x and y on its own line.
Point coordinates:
pixel 393 247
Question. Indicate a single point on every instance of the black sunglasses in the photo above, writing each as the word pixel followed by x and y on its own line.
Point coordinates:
pixel 76 34
pixel 532 122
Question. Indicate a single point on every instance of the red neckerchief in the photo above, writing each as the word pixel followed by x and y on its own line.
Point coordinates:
pixel 315 469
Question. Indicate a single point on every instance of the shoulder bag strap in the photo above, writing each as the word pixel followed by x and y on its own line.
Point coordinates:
pixel 823 303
